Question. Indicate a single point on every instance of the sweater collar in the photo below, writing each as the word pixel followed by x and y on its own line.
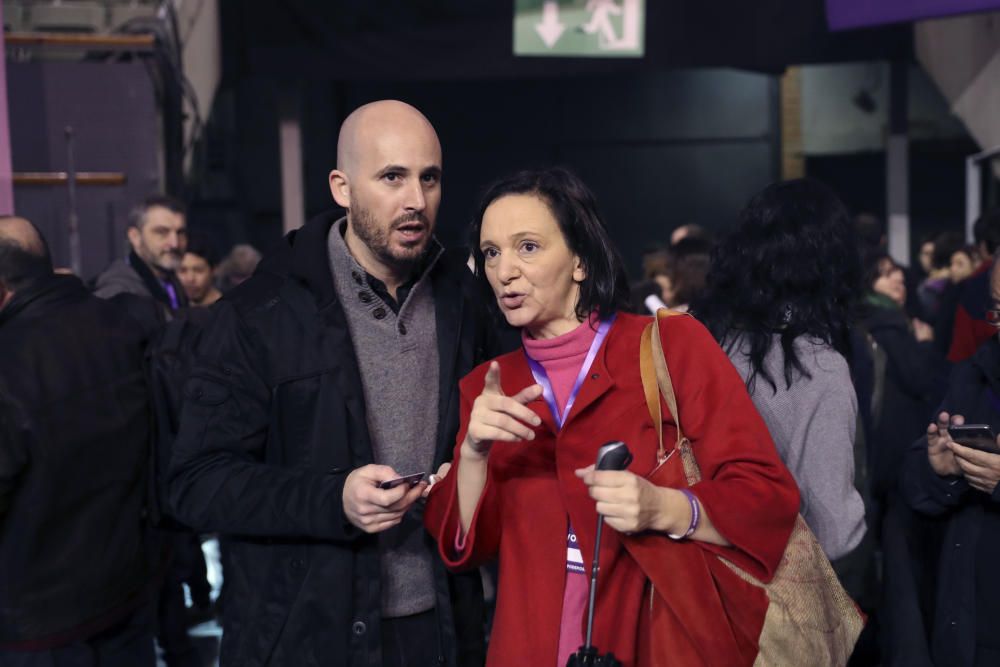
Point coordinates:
pixel 574 343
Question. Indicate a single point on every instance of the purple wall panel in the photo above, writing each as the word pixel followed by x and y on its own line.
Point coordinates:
pixel 112 109
pixel 6 177
pixel 844 14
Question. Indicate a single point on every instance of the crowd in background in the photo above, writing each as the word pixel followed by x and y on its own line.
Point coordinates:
pixel 847 355
pixel 884 344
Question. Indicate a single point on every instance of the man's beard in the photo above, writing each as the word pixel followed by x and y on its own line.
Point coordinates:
pixel 167 262
pixel 376 237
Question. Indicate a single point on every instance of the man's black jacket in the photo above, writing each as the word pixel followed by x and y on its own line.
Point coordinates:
pixel 273 420
pixel 74 432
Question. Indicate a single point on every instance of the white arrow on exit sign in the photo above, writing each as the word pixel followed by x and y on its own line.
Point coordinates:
pixel 550 29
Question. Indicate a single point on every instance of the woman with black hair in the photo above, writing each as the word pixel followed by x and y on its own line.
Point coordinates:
pixel 908 381
pixel 523 487
pixel 779 300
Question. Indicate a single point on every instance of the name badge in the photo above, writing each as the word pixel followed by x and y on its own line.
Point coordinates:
pixel 574 558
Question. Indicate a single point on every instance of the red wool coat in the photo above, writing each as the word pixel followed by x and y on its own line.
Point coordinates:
pixel 531 494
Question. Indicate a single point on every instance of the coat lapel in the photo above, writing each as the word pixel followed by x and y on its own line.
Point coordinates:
pixel 449 317
pixel 310 265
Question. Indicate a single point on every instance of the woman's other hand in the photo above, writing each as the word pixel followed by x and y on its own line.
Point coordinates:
pixel 497 417
pixel 631 504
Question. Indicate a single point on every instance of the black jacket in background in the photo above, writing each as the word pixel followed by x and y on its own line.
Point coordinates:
pixel 272 422
pixel 74 431
pixel 968 583
pixel 909 388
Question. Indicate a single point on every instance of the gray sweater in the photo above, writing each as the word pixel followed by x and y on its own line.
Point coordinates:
pixel 398 359
pixel 813 426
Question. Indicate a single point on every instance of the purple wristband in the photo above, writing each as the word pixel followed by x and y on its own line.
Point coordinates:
pixel 695 516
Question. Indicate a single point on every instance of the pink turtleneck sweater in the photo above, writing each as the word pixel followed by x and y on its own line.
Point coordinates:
pixel 562 357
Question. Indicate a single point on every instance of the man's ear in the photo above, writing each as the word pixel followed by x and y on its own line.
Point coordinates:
pixel 134 238
pixel 340 188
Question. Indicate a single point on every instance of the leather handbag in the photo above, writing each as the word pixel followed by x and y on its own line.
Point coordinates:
pixel 810 619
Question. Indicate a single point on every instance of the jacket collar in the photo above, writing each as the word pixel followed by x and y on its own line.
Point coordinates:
pixel 153 283
pixel 309 262
pixel 49 291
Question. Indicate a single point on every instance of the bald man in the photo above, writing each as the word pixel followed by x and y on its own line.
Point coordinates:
pixel 327 377
pixel 74 430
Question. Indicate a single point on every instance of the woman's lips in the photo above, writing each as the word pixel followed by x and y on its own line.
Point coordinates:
pixel 512 301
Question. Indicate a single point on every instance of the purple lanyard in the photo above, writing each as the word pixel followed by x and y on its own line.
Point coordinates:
pixel 171 294
pixel 542 378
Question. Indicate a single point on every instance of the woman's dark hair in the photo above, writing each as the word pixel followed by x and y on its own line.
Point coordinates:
pixel 875 265
pixel 691 260
pixel 202 246
pixel 605 290
pixel 946 245
pixel 790 268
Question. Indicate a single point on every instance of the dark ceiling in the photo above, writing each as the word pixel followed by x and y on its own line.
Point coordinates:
pixel 472 39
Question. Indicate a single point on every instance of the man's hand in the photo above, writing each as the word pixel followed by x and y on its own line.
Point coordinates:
pixel 981 469
pixel 939 451
pixel 373 509
pixel 498 417
pixel 629 503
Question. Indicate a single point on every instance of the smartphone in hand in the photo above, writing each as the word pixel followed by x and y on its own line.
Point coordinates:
pixel 976 436
pixel 411 480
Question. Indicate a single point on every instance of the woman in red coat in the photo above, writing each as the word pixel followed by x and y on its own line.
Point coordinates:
pixel 523 487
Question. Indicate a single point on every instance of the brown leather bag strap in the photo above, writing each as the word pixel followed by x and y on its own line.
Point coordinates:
pixel 651 353
pixel 663 373
pixel 647 368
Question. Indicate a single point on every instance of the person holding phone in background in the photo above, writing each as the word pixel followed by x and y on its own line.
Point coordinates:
pixel 943 477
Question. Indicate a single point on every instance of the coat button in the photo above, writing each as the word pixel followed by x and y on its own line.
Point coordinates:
pixel 379 313
pixel 357 277
pixel 297 565
pixel 365 297
pixel 595 376
pixel 958 545
pixel 359 628
pixel 402 329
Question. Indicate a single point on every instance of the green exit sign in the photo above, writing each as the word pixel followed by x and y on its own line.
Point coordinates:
pixel 589 28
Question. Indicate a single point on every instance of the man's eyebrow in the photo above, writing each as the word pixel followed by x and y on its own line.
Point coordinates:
pixel 391 168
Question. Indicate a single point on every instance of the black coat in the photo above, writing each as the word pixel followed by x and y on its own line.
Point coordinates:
pixel 272 422
pixel 74 432
pixel 973 517
pixel 907 391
